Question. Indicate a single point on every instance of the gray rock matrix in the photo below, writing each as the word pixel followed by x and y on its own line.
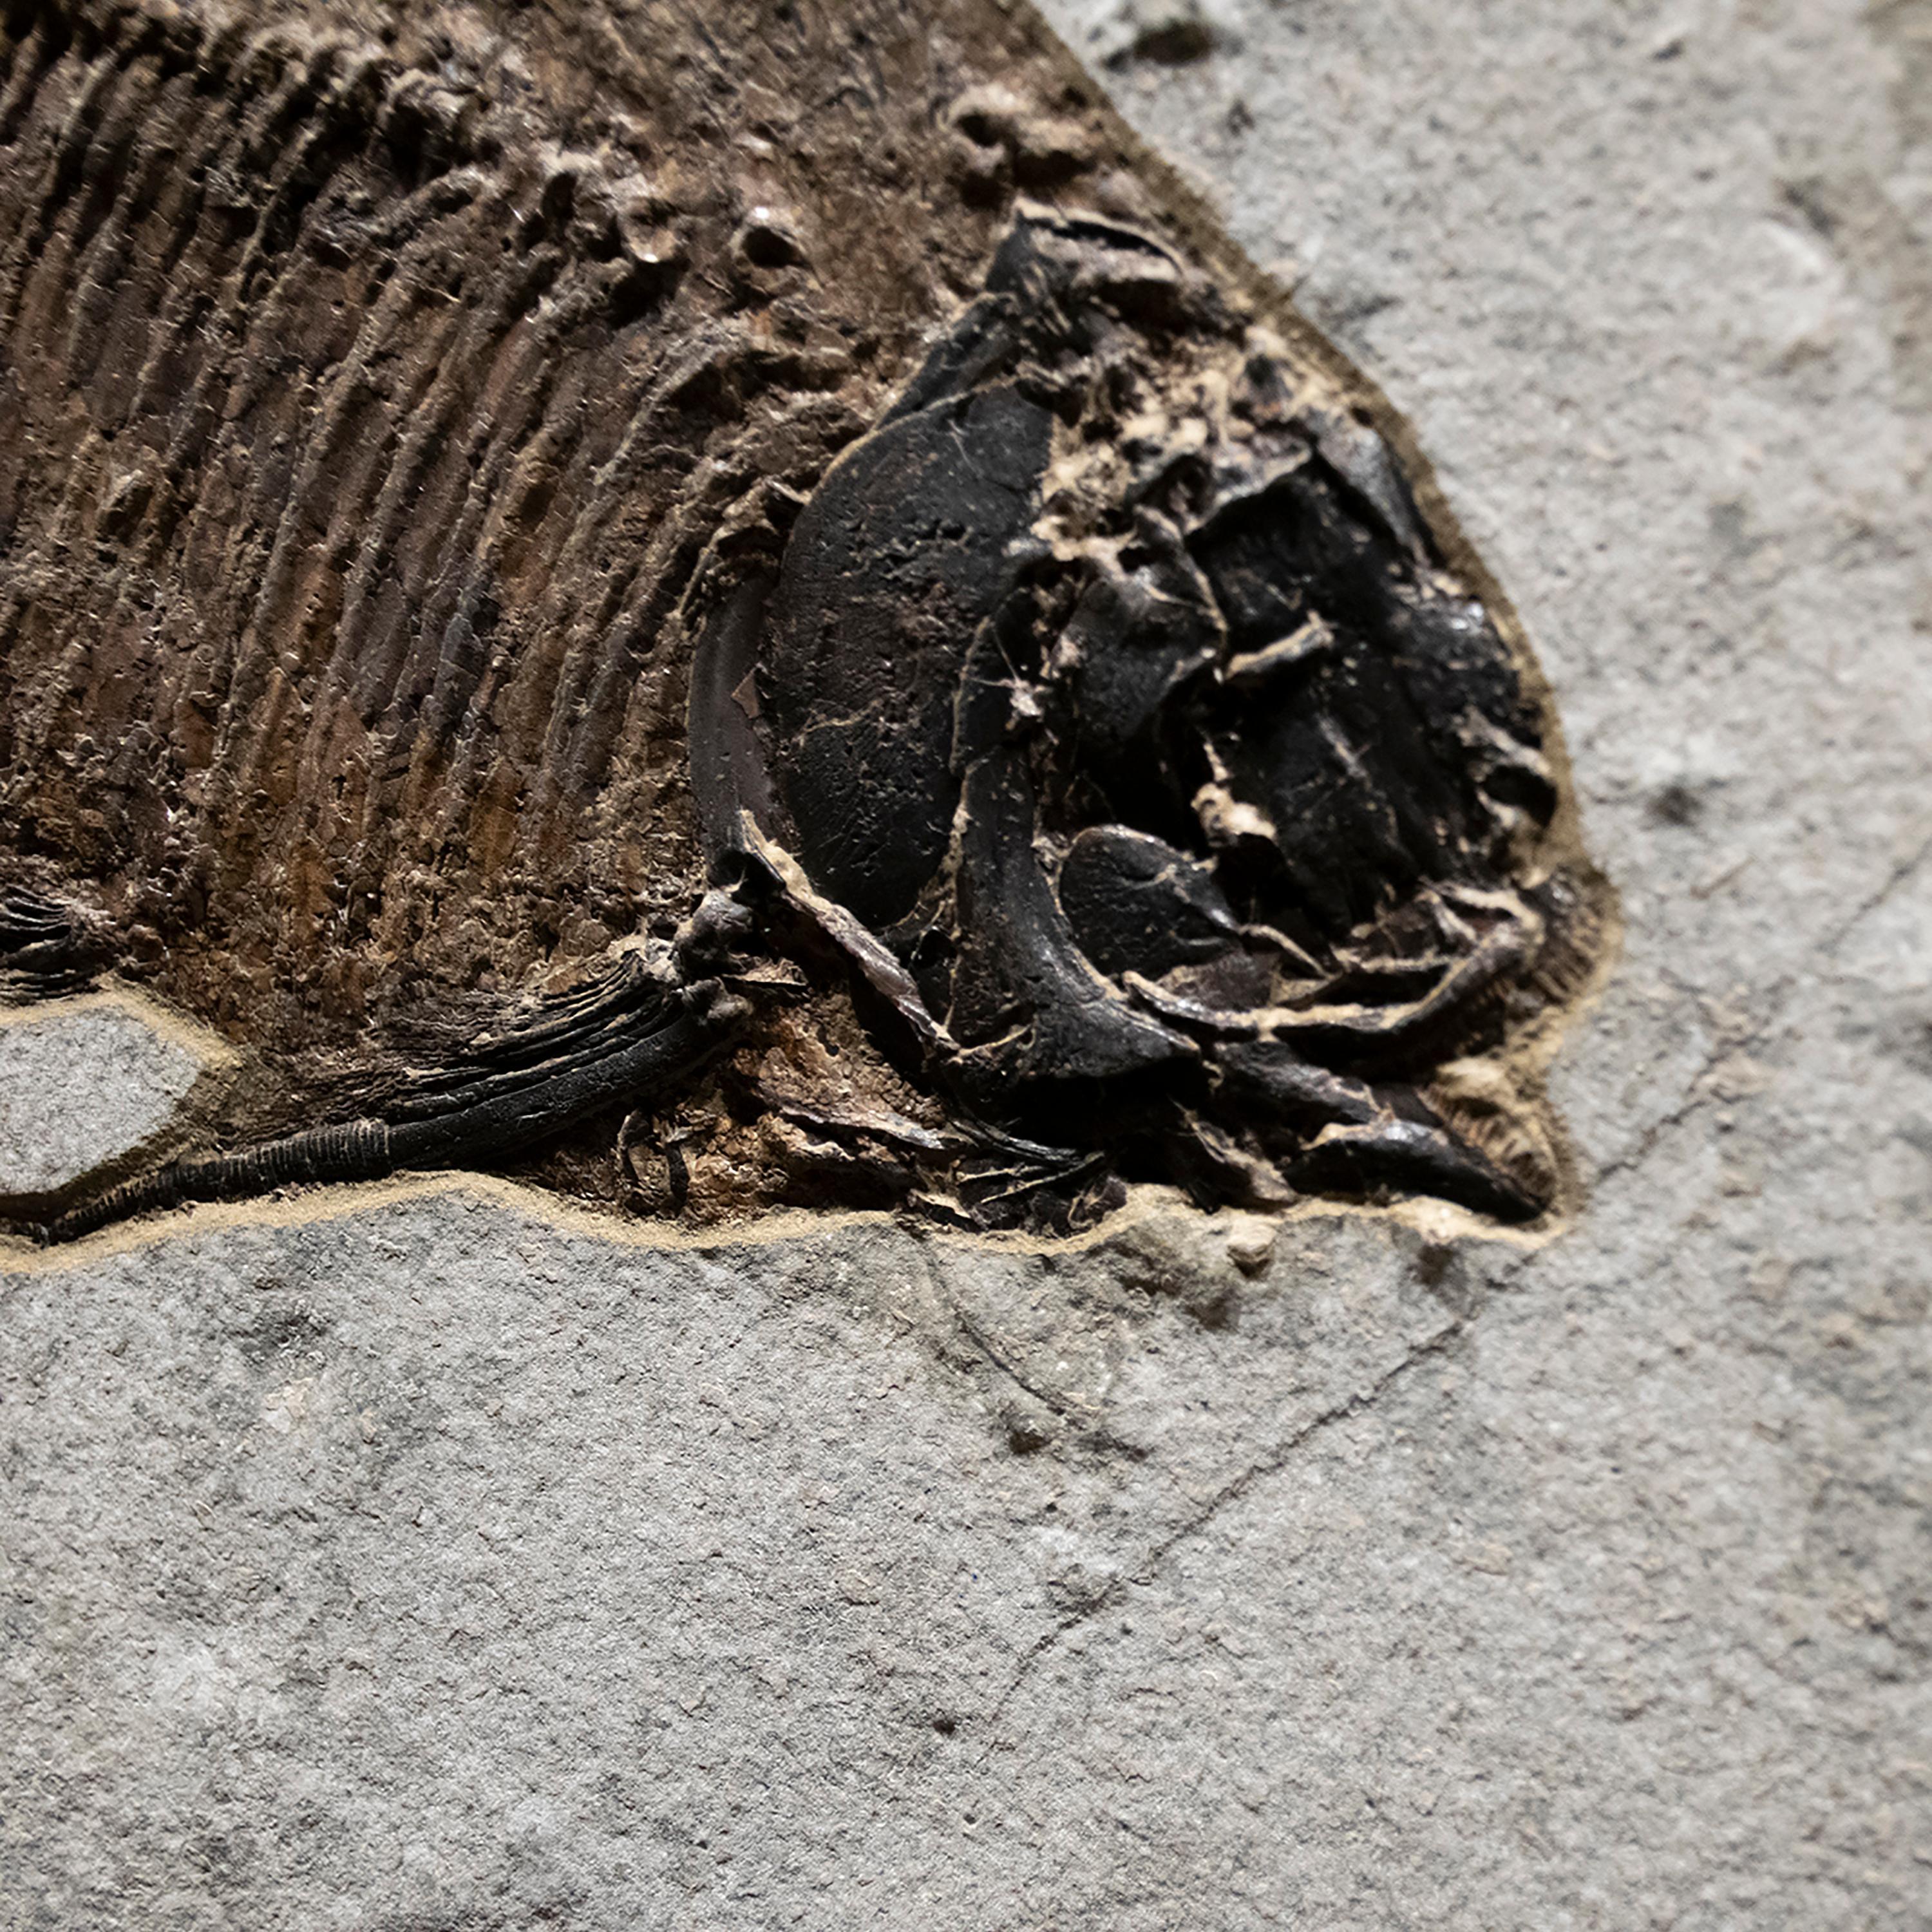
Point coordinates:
pixel 430 1564
pixel 82 1082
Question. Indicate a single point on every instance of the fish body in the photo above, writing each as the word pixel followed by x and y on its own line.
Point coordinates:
pixel 476 479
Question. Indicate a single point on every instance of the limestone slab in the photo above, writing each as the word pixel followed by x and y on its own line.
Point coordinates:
pixel 427 1562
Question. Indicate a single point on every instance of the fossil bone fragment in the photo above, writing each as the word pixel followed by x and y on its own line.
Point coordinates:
pixel 733 606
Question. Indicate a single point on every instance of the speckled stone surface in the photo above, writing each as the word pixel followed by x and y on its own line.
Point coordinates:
pixel 82 1083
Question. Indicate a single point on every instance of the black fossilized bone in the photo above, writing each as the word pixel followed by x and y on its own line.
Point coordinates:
pixel 1037 740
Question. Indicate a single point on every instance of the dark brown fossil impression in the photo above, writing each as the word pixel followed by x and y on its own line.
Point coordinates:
pixel 740 604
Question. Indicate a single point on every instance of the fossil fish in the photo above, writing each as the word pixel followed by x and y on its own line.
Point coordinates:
pixel 732 605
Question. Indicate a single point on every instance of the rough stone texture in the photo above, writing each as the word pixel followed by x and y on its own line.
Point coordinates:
pixel 81 1085
pixel 434 1563
pixel 436 1566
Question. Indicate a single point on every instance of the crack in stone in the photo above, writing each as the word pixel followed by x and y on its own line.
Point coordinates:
pixel 1896 877
pixel 1778 996
pixel 1232 1491
pixel 1693 1099
pixel 1067 1408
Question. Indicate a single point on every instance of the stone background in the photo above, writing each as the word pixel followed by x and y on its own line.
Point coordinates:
pixel 425 1561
